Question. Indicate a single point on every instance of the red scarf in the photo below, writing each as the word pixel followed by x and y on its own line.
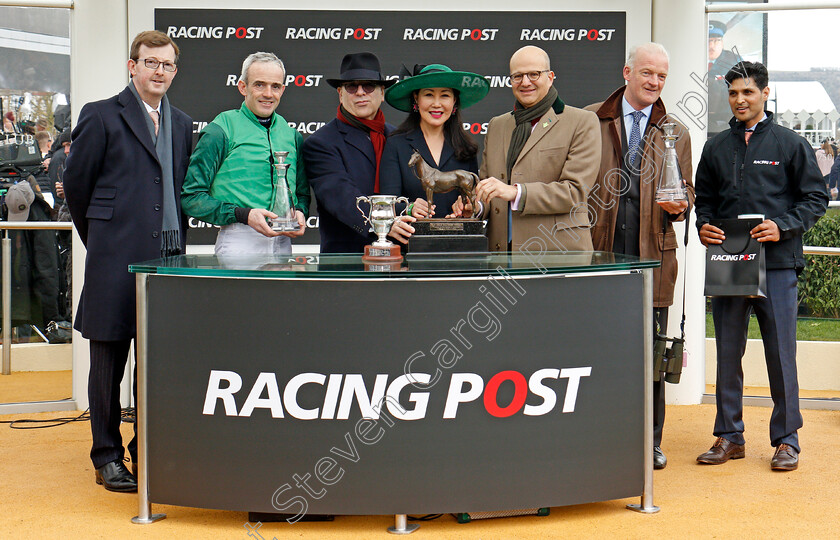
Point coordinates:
pixel 375 128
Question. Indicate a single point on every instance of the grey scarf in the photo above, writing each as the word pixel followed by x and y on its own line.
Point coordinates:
pixel 523 118
pixel 170 228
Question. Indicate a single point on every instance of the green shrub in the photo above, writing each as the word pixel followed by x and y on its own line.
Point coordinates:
pixel 819 284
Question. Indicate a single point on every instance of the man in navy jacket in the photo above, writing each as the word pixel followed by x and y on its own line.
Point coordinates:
pixel 342 158
pixel 122 184
pixel 758 167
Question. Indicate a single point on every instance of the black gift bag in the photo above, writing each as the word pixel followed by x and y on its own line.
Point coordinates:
pixel 737 266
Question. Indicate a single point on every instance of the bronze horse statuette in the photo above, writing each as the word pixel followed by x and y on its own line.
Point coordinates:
pixel 435 181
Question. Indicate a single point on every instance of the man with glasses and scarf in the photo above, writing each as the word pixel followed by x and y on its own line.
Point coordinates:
pixel 122 183
pixel 342 158
pixel 539 163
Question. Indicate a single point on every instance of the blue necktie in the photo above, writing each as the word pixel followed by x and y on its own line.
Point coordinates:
pixel 635 138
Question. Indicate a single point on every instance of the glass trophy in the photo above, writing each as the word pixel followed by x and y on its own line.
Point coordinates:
pixel 286 221
pixel 671 184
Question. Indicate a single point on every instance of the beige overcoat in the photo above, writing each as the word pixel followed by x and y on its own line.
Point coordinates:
pixel 557 168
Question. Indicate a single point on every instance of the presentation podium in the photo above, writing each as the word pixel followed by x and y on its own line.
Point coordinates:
pixel 321 384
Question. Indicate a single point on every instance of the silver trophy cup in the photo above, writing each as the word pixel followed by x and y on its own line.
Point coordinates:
pixel 382 216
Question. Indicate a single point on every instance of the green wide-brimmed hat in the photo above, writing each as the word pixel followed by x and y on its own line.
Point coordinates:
pixel 472 87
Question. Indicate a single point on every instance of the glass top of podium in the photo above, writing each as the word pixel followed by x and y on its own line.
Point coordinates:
pixel 314 266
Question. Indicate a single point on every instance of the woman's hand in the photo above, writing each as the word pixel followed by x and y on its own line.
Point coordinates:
pixel 420 209
pixel 401 230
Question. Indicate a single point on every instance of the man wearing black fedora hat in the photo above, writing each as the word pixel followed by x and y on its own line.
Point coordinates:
pixel 343 157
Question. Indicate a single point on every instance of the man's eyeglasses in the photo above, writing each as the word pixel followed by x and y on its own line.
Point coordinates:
pixel 533 76
pixel 354 87
pixel 151 63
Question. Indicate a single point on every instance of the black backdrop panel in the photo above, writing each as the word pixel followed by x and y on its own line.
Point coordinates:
pixel 216 454
pixel 586 50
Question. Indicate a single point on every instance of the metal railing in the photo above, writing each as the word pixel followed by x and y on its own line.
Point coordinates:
pixel 68 4
pixel 819 250
pixel 780 5
pixel 6 272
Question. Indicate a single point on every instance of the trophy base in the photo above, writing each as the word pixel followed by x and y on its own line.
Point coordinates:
pixel 448 236
pixel 670 195
pixel 376 254
pixel 284 226
pixel 383 266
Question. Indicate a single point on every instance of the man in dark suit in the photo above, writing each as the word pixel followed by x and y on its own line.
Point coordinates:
pixel 342 158
pixel 628 218
pixel 122 183
pixel 758 167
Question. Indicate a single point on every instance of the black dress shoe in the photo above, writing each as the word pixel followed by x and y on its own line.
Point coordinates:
pixel 115 477
pixel 659 459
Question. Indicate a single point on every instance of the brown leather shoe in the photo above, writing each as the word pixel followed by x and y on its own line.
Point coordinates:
pixel 722 451
pixel 786 458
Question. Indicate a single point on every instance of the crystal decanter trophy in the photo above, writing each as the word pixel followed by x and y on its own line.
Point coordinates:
pixel 286 220
pixel 671 184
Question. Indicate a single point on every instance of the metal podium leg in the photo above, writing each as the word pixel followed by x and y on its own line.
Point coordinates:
pixel 647 505
pixel 7 304
pixel 145 508
pixel 401 525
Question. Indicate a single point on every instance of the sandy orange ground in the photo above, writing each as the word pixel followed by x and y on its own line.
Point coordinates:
pixel 47 490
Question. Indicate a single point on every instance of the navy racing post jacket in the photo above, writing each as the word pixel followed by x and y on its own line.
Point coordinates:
pixel 775 175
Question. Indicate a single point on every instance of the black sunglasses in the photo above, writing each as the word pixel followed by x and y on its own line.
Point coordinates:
pixel 353 87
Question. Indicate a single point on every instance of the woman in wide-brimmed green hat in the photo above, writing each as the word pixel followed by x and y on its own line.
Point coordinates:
pixel 433 97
